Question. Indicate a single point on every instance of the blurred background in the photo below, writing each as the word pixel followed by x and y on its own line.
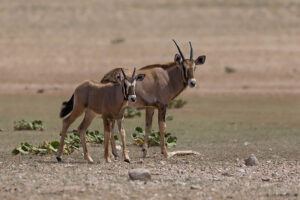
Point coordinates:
pixel 252 46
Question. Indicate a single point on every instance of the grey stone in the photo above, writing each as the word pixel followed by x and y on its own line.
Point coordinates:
pixel 251 161
pixel 139 174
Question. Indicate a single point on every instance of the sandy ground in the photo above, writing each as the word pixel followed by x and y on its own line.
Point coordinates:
pixel 55 45
pixel 189 177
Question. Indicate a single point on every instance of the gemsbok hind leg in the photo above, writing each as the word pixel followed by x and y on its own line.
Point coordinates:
pixel 162 128
pixel 113 143
pixel 76 112
pixel 107 123
pixel 86 122
pixel 149 117
pixel 123 138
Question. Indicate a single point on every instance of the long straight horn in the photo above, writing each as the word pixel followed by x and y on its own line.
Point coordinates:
pixel 191 54
pixel 123 73
pixel 179 50
pixel 133 74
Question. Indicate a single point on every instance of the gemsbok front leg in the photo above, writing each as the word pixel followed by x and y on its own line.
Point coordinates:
pixel 88 118
pixel 123 138
pixel 107 136
pixel 149 117
pixel 162 128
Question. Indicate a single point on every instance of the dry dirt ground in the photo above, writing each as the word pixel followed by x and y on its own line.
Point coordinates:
pixel 226 129
pixel 51 46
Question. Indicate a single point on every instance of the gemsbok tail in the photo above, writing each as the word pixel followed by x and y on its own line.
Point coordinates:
pixel 67 107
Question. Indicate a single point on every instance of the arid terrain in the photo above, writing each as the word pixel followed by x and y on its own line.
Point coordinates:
pixel 246 101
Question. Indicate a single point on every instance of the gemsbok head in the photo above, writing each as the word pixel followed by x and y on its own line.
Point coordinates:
pixel 188 65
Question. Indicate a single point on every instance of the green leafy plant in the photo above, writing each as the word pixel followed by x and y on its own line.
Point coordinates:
pixel 24 125
pixel 169 117
pixel 154 138
pixel 26 148
pixel 131 112
pixel 94 137
pixel 72 142
pixel 177 103
pixel 229 70
pixel 118 40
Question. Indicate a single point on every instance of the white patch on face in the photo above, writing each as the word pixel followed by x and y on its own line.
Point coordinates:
pixel 130 84
pixel 192 82
pixel 131 98
pixel 127 83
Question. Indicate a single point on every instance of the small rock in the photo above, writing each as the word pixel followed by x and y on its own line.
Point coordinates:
pixel 1 130
pixel 265 179
pixel 215 178
pixel 162 162
pixel 139 174
pixel 118 147
pixel 195 187
pixel 141 161
pixel 227 174
pixel 251 161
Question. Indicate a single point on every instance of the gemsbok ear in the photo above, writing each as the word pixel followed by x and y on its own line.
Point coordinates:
pixel 200 60
pixel 108 78
pixel 140 77
pixel 112 76
pixel 177 59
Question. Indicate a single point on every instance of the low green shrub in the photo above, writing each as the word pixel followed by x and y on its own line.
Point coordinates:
pixel 24 125
pixel 154 138
pixel 177 103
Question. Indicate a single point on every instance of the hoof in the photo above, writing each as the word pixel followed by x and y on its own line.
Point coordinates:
pixel 146 155
pixel 58 159
pixel 127 160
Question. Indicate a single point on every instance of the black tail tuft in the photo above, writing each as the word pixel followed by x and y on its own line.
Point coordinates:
pixel 67 107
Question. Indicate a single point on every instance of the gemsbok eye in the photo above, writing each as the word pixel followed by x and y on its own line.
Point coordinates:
pixel 118 76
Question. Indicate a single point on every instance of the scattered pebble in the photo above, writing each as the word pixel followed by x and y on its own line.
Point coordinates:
pixel 195 187
pixel 139 174
pixel 251 161
pixel 266 179
pixel 118 147
pixel 227 174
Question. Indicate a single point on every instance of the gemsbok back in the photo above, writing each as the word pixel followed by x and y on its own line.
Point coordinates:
pixel 93 98
pixel 163 82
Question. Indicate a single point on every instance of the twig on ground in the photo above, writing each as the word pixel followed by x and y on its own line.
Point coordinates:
pixel 182 153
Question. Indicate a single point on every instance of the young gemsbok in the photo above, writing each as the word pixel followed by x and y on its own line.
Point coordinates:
pixel 163 82
pixel 93 98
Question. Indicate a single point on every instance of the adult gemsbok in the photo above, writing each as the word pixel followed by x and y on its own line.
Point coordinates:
pixel 93 98
pixel 163 82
